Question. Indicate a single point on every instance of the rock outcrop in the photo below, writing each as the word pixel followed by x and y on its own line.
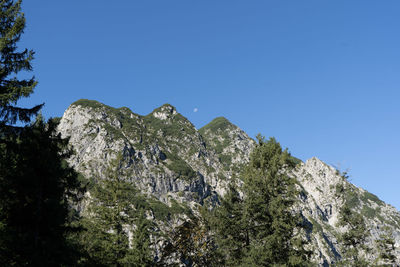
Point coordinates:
pixel 166 157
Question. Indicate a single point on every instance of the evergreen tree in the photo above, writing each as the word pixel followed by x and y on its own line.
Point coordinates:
pixel 386 248
pixel 268 208
pixel 37 188
pixel 191 243
pixel 36 191
pixel 109 216
pixel 354 238
pixel 231 228
pixel 12 24
pixel 260 228
pixel 140 254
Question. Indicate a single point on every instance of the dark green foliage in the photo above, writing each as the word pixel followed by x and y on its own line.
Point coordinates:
pixel 160 210
pixel 219 123
pixel 369 212
pixel 386 248
pixel 110 213
pixel 294 160
pixel 37 188
pixel 117 112
pixel 270 195
pixel 36 191
pixel 351 197
pixel 225 159
pixel 113 132
pixel 371 197
pixel 357 232
pixel 259 229
pixel 354 238
pixel 56 120
pixel 180 167
pixel 316 227
pixel 12 24
pixel 177 208
pixel 140 254
pixel 176 126
pixel 220 146
pixel 88 103
pixel 114 207
pixel 339 189
pixel 231 228
pixel 191 244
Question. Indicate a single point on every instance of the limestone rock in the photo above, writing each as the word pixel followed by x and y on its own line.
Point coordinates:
pixel 167 158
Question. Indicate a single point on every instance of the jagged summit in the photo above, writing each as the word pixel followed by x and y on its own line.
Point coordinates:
pixel 94 104
pixel 232 144
pixel 164 112
pixel 166 108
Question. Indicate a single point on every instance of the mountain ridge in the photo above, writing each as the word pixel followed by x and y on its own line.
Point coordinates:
pixel 169 159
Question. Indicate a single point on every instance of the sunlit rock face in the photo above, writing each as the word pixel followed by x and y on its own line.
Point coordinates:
pixel 166 157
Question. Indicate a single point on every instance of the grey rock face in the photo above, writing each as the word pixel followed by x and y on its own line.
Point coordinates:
pixel 326 191
pixel 166 157
pixel 164 154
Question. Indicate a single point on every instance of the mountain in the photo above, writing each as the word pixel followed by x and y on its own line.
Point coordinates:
pixel 168 159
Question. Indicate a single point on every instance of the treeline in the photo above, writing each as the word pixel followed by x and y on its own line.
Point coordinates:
pixel 52 216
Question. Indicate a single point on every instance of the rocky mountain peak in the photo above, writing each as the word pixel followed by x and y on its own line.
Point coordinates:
pixel 168 159
pixel 164 112
pixel 232 144
pixel 218 124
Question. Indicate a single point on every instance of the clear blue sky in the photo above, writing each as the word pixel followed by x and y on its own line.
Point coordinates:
pixel 323 77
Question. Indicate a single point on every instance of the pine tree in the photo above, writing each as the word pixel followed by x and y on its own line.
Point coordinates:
pixel 386 248
pixel 268 208
pixel 191 243
pixel 140 254
pixel 110 214
pixel 37 189
pixel 260 228
pixel 12 24
pixel 354 238
pixel 230 227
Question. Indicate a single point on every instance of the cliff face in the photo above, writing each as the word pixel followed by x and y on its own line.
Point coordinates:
pixel 166 155
pixel 325 190
pixel 168 158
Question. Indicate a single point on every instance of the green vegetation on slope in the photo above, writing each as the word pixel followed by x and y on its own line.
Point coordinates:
pixel 216 135
pixel 219 123
pixel 175 126
pixel 180 167
pixel 89 103
pixel 258 228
